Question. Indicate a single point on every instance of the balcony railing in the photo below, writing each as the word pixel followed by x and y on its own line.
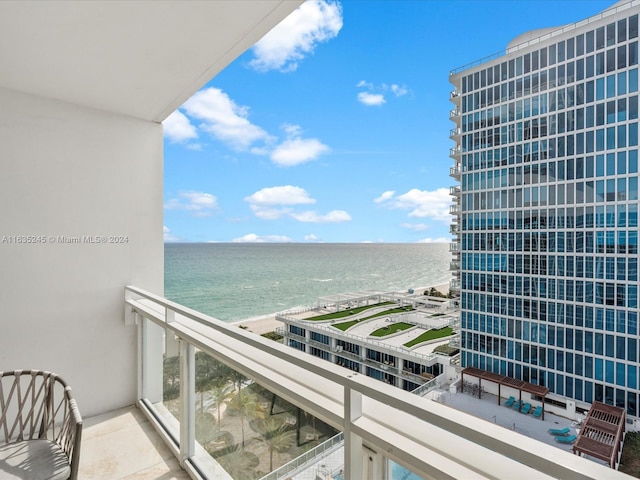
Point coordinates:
pixel 455 171
pixel 381 366
pixel 454 209
pixel 549 34
pixel 296 464
pixel 429 438
pixel 348 355
pixel 454 190
pixel 425 387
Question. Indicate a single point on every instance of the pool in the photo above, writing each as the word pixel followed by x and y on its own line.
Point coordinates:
pixel 400 473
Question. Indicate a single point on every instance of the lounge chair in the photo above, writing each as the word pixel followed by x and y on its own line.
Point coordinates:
pixel 566 438
pixel 537 413
pixel 509 401
pixel 526 408
pixel 559 431
pixel 517 405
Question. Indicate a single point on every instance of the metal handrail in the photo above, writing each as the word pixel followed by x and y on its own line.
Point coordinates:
pixel 546 36
pixel 314 454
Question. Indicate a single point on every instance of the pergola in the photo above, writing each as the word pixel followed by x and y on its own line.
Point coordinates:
pixel 601 433
pixel 520 385
pixel 357 298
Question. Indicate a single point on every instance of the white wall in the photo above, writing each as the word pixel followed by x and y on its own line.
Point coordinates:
pixel 70 171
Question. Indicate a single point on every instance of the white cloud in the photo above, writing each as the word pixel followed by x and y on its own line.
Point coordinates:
pixel 435 240
pixel 422 203
pixel 385 196
pixel 285 195
pixel 298 35
pixel 200 204
pixel 295 151
pixel 399 90
pixel 269 213
pixel 364 83
pixel 267 203
pixel 374 96
pixel 292 130
pixel 273 203
pixel 312 238
pixel 224 119
pixel 168 236
pixel 416 227
pixel 178 128
pixel 371 99
pixel 253 238
pixel 334 216
pixel 229 122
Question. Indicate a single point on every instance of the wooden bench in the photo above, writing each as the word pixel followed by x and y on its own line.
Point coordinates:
pixel 40 427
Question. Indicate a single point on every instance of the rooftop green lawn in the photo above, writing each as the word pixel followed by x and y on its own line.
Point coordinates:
pixel 346 313
pixel 430 335
pixel 345 325
pixel 391 329
pixel 446 350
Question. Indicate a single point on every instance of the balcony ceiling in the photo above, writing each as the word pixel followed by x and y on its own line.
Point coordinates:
pixel 137 58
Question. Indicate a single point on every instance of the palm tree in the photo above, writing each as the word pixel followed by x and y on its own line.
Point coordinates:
pixel 222 373
pixel 206 428
pixel 276 437
pixel 244 404
pixel 240 464
pixel 171 378
pixel 206 374
pixel 221 394
pixel 237 378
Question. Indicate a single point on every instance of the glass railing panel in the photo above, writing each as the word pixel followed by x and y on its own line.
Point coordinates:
pixel 214 386
pixel 171 384
pixel 246 428
pixel 161 377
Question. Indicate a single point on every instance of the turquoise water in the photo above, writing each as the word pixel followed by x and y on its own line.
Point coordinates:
pixel 400 473
pixel 236 281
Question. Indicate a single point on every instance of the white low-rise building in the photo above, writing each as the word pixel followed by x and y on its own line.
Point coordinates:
pixel 358 340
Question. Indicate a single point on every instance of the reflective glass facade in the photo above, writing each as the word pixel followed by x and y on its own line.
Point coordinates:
pixel 547 214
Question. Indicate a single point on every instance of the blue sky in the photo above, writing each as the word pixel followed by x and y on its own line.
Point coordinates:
pixel 335 126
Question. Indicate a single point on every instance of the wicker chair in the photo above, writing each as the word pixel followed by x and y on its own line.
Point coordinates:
pixel 40 427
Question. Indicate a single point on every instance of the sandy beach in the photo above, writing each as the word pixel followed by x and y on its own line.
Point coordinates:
pixel 268 323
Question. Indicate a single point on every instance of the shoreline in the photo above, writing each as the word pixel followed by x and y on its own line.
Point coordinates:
pixel 267 323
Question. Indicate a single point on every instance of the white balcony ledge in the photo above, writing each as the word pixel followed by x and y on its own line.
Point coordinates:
pixel 431 439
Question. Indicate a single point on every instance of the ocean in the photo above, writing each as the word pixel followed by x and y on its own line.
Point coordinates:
pixel 239 281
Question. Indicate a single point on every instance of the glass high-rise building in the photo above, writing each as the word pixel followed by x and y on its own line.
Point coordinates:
pixel 546 213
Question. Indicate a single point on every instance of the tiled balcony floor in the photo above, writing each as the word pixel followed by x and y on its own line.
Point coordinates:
pixel 124 445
